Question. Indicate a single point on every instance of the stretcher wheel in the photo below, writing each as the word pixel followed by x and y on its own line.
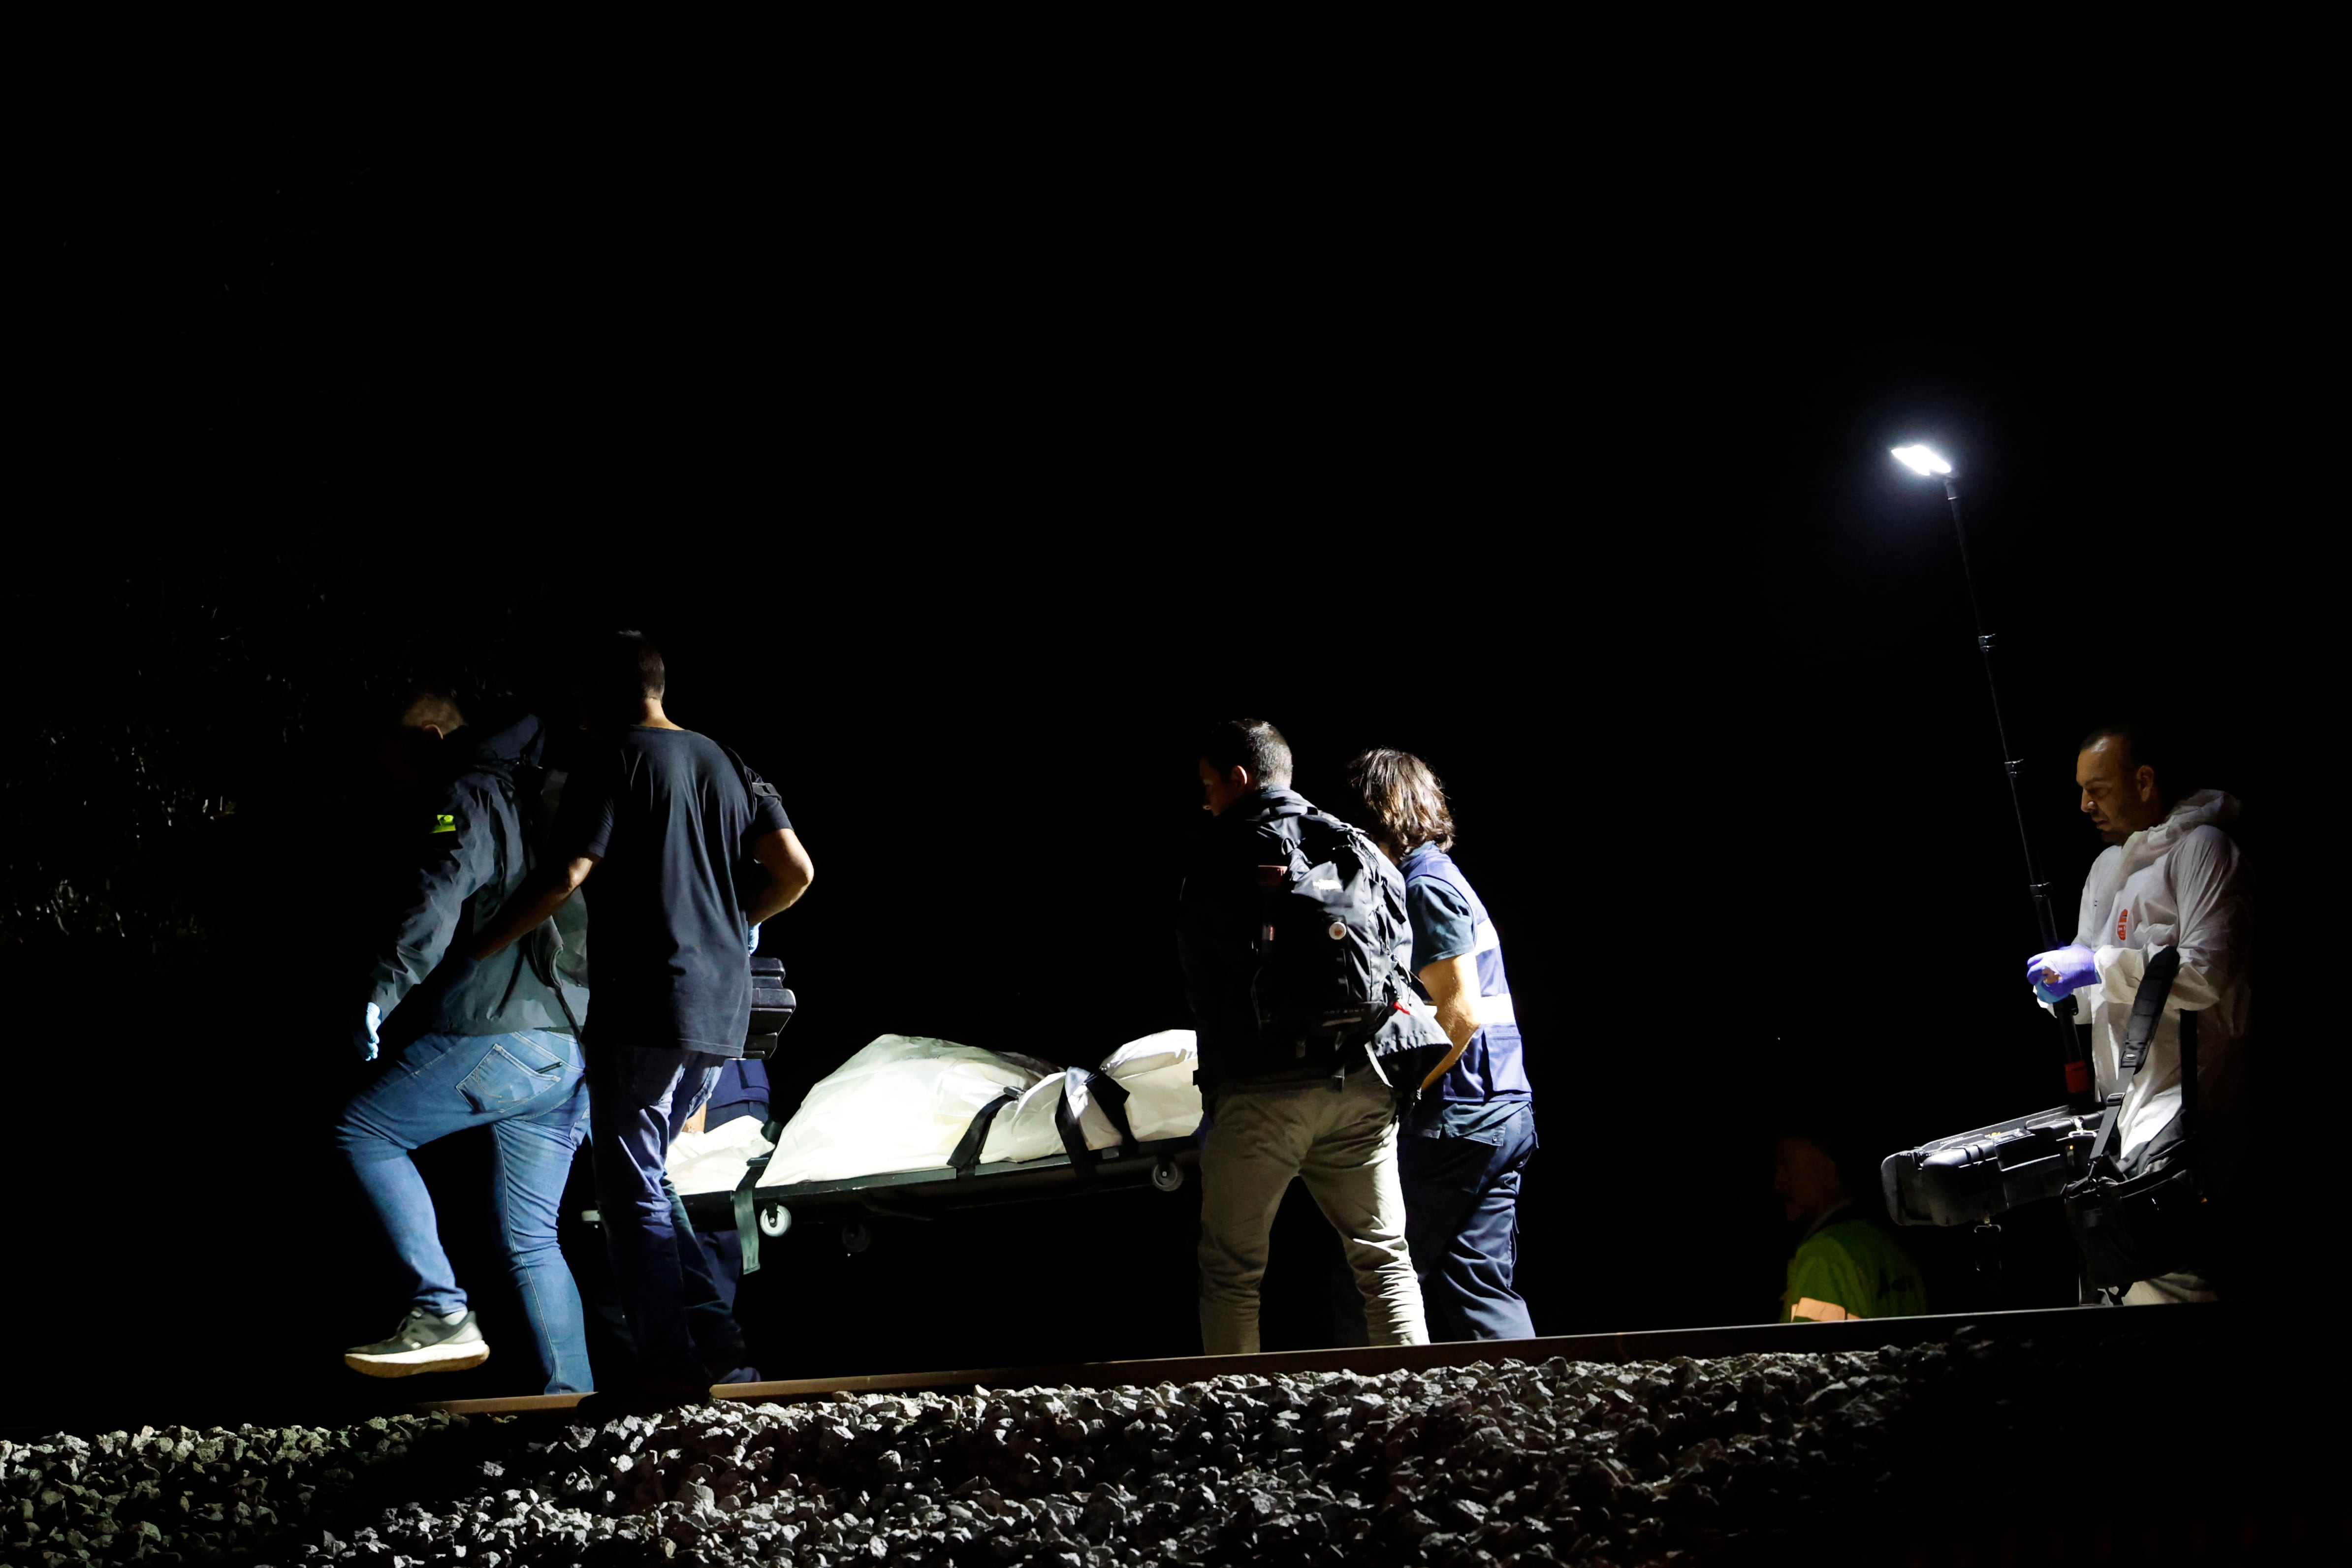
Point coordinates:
pixel 775 1219
pixel 1167 1175
pixel 856 1237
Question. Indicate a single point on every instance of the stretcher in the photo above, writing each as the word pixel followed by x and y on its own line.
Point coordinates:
pixel 912 1128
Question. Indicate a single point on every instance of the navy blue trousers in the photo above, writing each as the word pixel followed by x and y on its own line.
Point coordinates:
pixel 723 1250
pixel 638 1099
pixel 1462 1223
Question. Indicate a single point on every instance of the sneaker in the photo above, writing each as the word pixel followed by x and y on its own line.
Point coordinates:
pixel 424 1342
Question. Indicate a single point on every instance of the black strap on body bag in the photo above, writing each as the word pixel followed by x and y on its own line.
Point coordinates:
pixel 747 1223
pixel 975 1136
pixel 2134 1226
pixel 1109 1093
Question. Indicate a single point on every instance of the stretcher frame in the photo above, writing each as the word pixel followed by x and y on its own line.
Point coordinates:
pixel 924 1195
pixel 964 1181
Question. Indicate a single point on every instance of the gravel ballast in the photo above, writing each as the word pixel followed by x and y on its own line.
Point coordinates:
pixel 1688 1460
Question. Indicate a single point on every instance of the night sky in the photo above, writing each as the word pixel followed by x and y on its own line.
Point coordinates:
pixel 960 493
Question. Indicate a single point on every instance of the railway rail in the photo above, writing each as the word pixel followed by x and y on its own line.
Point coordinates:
pixel 1650 1345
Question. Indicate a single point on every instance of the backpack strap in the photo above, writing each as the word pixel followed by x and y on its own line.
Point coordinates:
pixel 1271 879
pixel 512 800
pixel 2148 1011
pixel 555 985
pixel 744 776
pixel 2189 1072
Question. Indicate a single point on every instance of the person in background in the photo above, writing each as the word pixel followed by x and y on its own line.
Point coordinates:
pixel 689 849
pixel 468 1046
pixel 1845 1266
pixel 1473 1131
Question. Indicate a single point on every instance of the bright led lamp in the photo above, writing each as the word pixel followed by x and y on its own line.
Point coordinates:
pixel 1919 460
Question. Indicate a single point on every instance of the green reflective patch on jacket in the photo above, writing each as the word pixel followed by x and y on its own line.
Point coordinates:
pixel 1856 1265
pixel 445 823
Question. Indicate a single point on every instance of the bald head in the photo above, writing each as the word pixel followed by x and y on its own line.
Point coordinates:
pixel 2120 791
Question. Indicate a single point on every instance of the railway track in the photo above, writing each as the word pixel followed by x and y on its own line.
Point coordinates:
pixel 2069 1324
pixel 2053 1436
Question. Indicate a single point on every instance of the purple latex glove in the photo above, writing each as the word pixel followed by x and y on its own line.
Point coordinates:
pixel 2061 971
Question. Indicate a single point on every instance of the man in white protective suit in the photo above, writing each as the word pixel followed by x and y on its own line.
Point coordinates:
pixel 2171 877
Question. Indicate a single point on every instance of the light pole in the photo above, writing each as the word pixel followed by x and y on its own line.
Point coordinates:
pixel 2080 1094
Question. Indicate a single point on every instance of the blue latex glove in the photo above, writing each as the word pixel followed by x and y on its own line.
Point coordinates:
pixel 2060 972
pixel 364 1038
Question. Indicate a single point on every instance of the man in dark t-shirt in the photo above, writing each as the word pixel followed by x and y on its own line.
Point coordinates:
pixel 691 850
pixel 670 816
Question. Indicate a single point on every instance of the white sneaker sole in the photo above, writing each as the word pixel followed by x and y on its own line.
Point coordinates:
pixel 408 1363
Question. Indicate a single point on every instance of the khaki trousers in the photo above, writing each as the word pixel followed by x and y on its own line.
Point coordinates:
pixel 1343 1142
pixel 2170 1290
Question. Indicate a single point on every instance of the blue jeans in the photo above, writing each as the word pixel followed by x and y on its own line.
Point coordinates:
pixel 639 1097
pixel 528 1089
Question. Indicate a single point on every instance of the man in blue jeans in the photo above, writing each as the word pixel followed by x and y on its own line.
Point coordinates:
pixel 469 1045
pixel 690 848
pixel 1473 1131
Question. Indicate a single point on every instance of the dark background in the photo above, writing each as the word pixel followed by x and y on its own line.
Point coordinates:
pixel 961 487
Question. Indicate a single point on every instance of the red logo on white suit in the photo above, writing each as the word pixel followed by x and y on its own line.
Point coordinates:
pixel 2122 919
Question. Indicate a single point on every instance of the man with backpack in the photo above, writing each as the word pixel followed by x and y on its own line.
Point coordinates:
pixel 1290 925
pixel 469 1045
pixel 690 848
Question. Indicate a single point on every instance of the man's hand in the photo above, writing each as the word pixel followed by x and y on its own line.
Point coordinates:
pixel 1452 988
pixel 363 1037
pixel 533 905
pixel 2060 972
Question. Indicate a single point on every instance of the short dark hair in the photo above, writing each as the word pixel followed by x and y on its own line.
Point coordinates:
pixel 2147 745
pixel 1250 743
pixel 1839 1139
pixel 624 667
pixel 1403 797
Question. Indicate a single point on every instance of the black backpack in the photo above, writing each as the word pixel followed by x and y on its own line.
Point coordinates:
pixel 1330 944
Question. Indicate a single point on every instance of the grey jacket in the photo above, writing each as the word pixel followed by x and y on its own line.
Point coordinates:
pixel 470 855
